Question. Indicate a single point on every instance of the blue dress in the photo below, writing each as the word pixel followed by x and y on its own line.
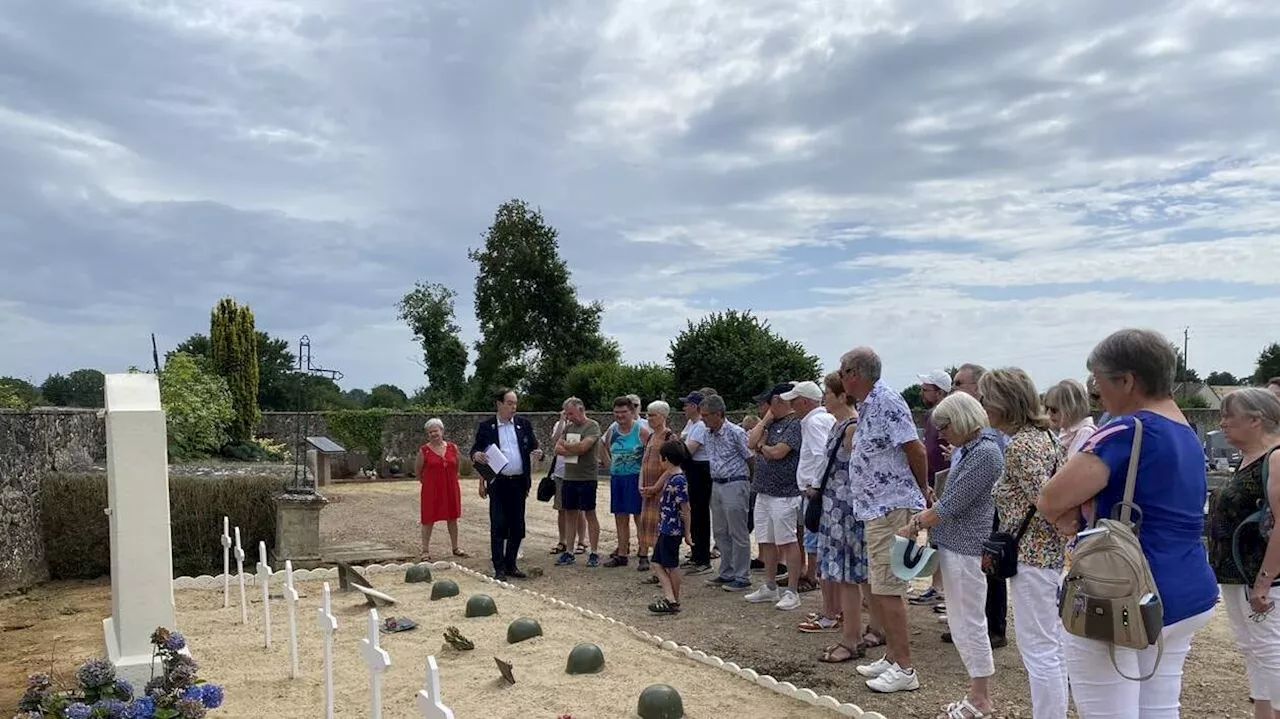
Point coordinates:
pixel 842 552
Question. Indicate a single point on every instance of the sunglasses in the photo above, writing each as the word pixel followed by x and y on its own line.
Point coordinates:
pixel 1052 409
pixel 1262 616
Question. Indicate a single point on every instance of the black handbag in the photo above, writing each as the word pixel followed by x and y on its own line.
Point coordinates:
pixel 1000 552
pixel 813 510
pixel 547 485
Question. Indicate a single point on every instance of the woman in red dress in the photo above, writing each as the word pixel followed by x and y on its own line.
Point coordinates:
pixel 441 498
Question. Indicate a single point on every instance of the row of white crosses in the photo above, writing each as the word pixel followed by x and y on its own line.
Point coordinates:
pixel 376 659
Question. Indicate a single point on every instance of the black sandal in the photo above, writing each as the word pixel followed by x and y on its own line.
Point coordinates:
pixel 829 655
pixel 559 549
pixel 664 606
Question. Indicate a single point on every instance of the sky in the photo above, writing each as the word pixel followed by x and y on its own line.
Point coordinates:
pixel 984 181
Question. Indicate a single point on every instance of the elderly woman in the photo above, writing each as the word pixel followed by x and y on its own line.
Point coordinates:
pixel 652 478
pixel 1030 458
pixel 1247 573
pixel 1134 370
pixel 437 471
pixel 958 523
pixel 1068 405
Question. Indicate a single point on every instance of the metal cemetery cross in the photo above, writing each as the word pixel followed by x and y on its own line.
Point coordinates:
pixel 301 484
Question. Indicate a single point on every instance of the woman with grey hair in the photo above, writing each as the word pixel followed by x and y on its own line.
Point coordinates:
pixel 652 479
pixel 439 495
pixel 1134 371
pixel 958 524
pixel 1246 556
pixel 1068 405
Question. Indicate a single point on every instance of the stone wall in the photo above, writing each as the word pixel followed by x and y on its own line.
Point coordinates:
pixel 33 444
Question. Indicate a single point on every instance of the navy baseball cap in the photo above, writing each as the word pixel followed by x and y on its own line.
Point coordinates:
pixel 692 398
pixel 777 389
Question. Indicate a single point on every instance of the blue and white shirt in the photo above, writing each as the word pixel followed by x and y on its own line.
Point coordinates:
pixel 674 495
pixel 879 476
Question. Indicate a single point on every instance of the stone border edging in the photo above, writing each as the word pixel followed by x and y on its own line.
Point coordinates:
pixel 786 689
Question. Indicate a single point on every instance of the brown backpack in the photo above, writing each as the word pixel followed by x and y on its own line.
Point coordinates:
pixel 1109 594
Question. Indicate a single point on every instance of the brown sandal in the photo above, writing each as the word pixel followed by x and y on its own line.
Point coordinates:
pixel 831 656
pixel 872 639
pixel 460 553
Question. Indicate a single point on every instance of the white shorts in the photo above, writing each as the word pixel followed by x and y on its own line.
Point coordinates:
pixel 775 519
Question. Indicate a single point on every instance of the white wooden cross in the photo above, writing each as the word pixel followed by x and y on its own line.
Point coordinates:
pixel 264 578
pixel 430 703
pixel 226 562
pixel 244 602
pixel 328 627
pixel 377 659
pixel 291 601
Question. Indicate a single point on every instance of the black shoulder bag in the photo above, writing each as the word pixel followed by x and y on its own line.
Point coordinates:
pixel 1000 551
pixel 813 511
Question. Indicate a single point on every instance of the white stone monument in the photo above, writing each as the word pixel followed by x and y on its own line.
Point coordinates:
pixel 377 660
pixel 430 705
pixel 138 508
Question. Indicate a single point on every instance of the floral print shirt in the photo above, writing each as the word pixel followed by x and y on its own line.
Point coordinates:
pixel 1030 459
pixel 879 476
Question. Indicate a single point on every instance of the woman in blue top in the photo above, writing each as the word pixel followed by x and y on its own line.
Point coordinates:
pixel 624 451
pixel 1134 371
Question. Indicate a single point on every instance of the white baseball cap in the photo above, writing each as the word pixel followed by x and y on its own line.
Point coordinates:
pixel 938 379
pixel 808 390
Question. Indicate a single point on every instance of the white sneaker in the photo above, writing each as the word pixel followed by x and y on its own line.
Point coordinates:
pixel 874 669
pixel 790 600
pixel 896 679
pixel 762 595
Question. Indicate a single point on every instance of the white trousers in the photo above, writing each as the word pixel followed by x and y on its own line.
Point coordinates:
pixel 1101 693
pixel 1259 642
pixel 1038 629
pixel 966 588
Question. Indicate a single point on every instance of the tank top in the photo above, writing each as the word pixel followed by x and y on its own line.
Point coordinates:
pixel 625 451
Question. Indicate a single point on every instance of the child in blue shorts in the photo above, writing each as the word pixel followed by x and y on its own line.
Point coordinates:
pixel 673 525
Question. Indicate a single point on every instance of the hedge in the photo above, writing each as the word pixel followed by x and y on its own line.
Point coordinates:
pixel 77 533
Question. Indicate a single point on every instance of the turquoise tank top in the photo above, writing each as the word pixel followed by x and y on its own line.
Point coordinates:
pixel 626 451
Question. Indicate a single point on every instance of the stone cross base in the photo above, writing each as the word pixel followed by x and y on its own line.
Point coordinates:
pixel 298 527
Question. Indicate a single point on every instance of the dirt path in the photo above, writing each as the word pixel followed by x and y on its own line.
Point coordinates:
pixel 58 623
pixel 756 636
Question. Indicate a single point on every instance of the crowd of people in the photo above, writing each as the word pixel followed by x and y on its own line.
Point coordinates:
pixel 840 489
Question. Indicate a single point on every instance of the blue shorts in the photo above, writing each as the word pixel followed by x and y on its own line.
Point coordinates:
pixel 624 494
pixel 578 495
pixel 810 538
pixel 666 552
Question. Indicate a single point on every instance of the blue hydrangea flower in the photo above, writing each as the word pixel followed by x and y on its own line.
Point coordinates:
pixel 194 693
pixel 95 673
pixel 188 709
pixel 123 689
pixel 109 708
pixel 141 708
pixel 78 710
pixel 174 642
pixel 212 695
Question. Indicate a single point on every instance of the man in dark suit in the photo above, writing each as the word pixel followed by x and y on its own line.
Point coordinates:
pixel 509 487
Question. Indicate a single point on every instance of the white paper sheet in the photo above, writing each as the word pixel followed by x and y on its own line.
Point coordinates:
pixel 497 460
pixel 571 438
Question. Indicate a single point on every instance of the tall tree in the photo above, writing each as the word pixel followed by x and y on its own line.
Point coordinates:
pixel 18 393
pixel 82 388
pixel 1268 364
pixel 738 354
pixel 276 363
pixel 1183 373
pixel 387 396
pixel 429 312
pixel 533 329
pixel 234 342
pixel 1221 379
pixel 598 383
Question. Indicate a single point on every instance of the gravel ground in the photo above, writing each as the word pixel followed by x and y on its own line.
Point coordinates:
pixel 756 636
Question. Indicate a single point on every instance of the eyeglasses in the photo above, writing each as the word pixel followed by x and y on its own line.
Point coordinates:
pixel 1095 397
pixel 1052 409
pixel 1262 616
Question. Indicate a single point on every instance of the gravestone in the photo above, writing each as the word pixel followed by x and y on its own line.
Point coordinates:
pixel 138 511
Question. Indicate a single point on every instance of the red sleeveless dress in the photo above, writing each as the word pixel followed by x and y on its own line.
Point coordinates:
pixel 440 494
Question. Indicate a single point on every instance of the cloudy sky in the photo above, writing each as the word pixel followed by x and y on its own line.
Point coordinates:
pixel 947 181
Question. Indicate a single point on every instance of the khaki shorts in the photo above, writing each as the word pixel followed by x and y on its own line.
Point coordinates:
pixel 555 503
pixel 879 535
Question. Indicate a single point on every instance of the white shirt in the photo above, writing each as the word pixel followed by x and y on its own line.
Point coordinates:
pixel 557 462
pixel 815 428
pixel 510 446
pixel 1075 436
pixel 696 432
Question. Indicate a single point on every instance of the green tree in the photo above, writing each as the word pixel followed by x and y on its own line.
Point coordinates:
pixel 18 393
pixel 356 398
pixel 1221 379
pixel 1268 365
pixel 1183 373
pixel 738 354
pixel 197 405
pixel 82 388
pixel 428 309
pixel 276 363
pixel 598 383
pixel 234 344
pixel 387 396
pixel 533 329
pixel 912 395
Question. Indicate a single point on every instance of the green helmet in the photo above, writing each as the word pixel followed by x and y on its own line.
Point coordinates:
pixel 481 605
pixel 522 629
pixel 417 573
pixel 585 659
pixel 660 701
pixel 444 588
